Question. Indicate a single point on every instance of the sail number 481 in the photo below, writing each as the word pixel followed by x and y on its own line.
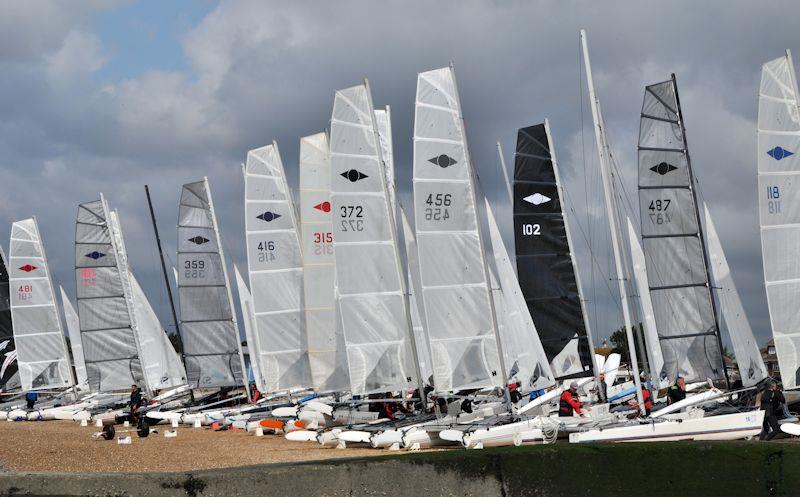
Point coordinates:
pixel 774 199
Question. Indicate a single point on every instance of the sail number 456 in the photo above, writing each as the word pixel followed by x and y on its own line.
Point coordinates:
pixel 437 206
pixel 774 199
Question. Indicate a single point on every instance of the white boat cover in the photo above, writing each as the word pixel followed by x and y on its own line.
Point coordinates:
pixel 456 294
pixel 326 351
pixel 779 209
pixel 42 354
pixel 368 271
pixel 745 347
pixel 212 348
pixel 276 274
pixel 524 355
pixel 672 243
pixel 74 333
pixel 110 348
pixel 246 304
pixel 652 344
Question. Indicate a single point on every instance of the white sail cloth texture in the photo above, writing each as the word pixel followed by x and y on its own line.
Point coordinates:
pixel 779 209
pixel 42 354
pixel 524 355
pixel 745 347
pixel 672 244
pixel 369 276
pixel 326 350
pixel 110 350
pixel 74 333
pixel 211 344
pixel 455 290
pixel 246 305
pixel 276 274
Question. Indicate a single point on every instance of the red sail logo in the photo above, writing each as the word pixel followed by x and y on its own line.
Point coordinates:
pixel 323 206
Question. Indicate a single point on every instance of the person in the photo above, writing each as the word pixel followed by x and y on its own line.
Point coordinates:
pixel 255 395
pixel 602 391
pixel 570 402
pixel 31 398
pixel 677 392
pixel 772 401
pixel 647 398
pixel 136 402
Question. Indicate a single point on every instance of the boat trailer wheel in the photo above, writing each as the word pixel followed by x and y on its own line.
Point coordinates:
pixel 142 431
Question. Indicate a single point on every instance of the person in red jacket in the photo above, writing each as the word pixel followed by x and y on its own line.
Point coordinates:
pixel 647 397
pixel 570 402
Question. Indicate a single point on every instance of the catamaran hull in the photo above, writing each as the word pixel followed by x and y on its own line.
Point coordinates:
pixel 723 427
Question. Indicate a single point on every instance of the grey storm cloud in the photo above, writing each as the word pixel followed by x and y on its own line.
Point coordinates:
pixel 258 71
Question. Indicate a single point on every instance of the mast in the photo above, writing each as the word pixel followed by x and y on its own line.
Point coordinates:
pixel 227 286
pixel 478 229
pixel 393 231
pixel 613 222
pixel 601 391
pixel 166 280
pixel 509 188
pixel 703 247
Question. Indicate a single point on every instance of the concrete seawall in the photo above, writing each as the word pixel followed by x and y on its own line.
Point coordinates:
pixel 684 469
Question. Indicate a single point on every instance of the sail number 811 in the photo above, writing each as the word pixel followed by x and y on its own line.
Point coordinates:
pixel 437 206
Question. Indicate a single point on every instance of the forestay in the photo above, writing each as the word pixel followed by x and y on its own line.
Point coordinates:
pixel 545 265
pixel 9 377
pixel 326 352
pixel 110 349
pixel 373 307
pixel 42 354
pixel 211 345
pixel 74 333
pixel 276 274
pixel 779 208
pixel 524 354
pixel 460 317
pixel 745 347
pixel 673 243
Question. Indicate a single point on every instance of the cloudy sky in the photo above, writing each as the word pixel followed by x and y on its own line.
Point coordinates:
pixel 103 96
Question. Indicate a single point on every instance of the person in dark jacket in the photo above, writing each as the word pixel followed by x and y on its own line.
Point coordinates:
pixel 31 398
pixel 136 402
pixel 772 401
pixel 677 392
pixel 570 402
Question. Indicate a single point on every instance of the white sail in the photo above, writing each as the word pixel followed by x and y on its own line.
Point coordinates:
pixel 369 278
pixel 745 347
pixel 246 304
pixel 74 333
pixel 460 315
pixel 652 344
pixel 326 351
pixel 212 348
pixel 524 354
pixel 41 350
pixel 779 208
pixel 275 265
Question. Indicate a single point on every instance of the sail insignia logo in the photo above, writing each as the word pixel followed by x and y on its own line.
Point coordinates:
pixel 95 255
pixel 537 199
pixel 353 175
pixel 268 216
pixel 28 268
pixel 199 240
pixel 663 168
pixel 779 153
pixel 443 161
pixel 323 206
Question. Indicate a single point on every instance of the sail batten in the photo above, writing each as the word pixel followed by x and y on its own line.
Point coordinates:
pixel 672 242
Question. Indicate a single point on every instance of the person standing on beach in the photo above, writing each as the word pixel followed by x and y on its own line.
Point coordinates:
pixel 772 401
pixel 136 402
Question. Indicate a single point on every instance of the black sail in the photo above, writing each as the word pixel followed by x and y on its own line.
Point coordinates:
pixel 544 261
pixel 9 380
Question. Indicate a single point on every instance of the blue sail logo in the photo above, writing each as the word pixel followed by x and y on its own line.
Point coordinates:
pixel 779 153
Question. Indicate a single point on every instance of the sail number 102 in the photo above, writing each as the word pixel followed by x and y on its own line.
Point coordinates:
pixel 531 229
pixel 774 199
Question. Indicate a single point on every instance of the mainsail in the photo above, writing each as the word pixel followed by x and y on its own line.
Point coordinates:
pixel 545 264
pixel 524 355
pixel 460 314
pixel 326 351
pixel 745 347
pixel 374 309
pixel 276 273
pixel 110 347
pixel 74 333
pixel 9 377
pixel 211 345
pixel 42 354
pixel 778 168
pixel 673 243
